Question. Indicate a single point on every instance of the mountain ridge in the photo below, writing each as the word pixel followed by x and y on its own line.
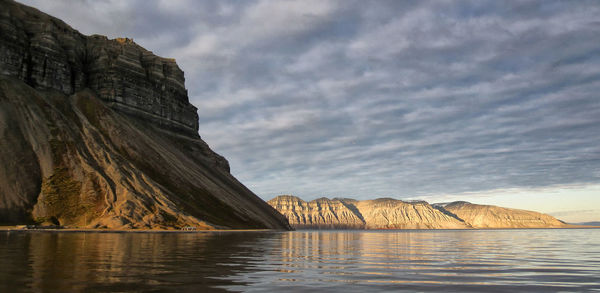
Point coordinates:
pixel 99 133
pixel 388 213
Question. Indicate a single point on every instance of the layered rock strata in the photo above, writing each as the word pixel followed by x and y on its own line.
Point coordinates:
pixel 321 213
pixel 386 213
pixel 488 216
pixel 46 53
pixel 98 133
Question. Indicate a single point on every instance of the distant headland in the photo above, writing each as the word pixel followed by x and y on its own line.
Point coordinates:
pixel 387 213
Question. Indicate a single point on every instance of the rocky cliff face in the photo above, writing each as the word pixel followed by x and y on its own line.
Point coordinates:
pixel 487 216
pixel 99 133
pixel 46 53
pixel 386 213
pixel 321 213
pixel 371 214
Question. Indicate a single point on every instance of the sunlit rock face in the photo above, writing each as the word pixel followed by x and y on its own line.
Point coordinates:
pixel 324 213
pixel 321 213
pixel 99 133
pixel 387 213
pixel 487 216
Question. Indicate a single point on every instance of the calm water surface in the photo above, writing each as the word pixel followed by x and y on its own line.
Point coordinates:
pixel 303 261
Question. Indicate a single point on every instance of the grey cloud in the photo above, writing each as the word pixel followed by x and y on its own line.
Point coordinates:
pixel 386 98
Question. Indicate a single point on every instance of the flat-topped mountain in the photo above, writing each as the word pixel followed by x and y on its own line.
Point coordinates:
pixel 100 133
pixel 381 213
pixel 319 213
pixel 387 213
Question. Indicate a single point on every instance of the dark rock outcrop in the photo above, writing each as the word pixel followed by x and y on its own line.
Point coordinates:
pixel 99 133
pixel 46 53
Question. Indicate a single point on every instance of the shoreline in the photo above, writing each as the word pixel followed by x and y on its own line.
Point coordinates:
pixel 83 230
pixel 76 230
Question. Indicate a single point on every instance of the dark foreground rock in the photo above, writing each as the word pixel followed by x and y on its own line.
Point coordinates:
pixel 99 133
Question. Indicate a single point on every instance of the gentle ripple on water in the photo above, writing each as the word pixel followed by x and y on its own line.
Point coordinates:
pixel 303 261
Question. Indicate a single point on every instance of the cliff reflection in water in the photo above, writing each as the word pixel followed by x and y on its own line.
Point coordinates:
pixel 427 260
pixel 348 261
pixel 363 254
pixel 120 261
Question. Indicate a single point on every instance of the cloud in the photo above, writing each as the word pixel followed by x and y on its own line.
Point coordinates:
pixel 406 99
pixel 577 216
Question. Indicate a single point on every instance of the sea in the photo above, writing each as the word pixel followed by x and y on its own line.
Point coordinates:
pixel 532 260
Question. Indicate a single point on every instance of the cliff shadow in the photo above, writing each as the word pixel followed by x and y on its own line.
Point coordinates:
pixel 448 213
pixel 354 209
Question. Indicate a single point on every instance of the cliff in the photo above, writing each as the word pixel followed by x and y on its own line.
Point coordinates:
pixel 387 213
pixel 99 133
pixel 370 214
pixel 321 213
pixel 487 216
pixel 46 53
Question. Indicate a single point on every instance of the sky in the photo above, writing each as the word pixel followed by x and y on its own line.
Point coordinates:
pixel 492 102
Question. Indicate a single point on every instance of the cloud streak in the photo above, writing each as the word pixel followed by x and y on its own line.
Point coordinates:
pixel 393 98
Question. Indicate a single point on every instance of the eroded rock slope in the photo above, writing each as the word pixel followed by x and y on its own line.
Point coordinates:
pixel 488 216
pixel 387 213
pixel 99 133
pixel 383 213
pixel 321 213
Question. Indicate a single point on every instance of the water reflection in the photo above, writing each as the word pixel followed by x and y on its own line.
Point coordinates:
pixel 500 260
pixel 62 262
pixel 350 261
